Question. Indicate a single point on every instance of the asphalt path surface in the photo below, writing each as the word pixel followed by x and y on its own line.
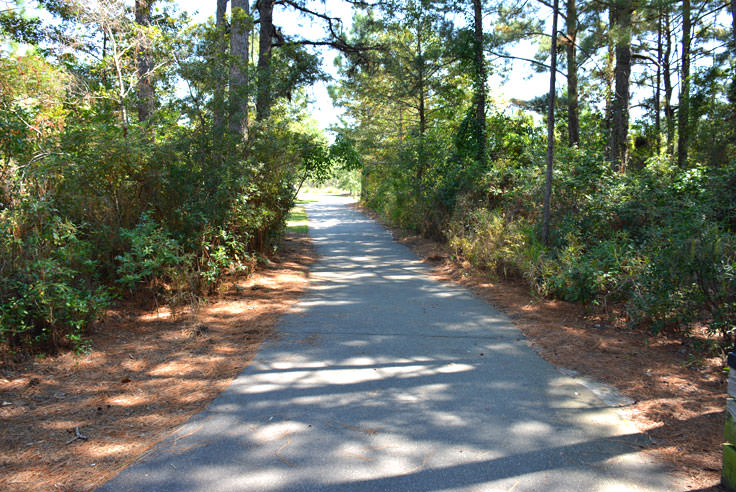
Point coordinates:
pixel 383 379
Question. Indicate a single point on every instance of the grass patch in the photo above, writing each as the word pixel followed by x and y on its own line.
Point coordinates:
pixel 296 222
pixel 324 191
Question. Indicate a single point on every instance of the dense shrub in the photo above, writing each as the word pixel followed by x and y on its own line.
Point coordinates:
pixel 686 278
pixel 49 291
pixel 152 256
pixel 657 239
pixel 496 243
pixel 95 202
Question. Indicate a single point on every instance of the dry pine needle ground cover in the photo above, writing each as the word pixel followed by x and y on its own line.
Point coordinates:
pixel 69 423
pixel 679 397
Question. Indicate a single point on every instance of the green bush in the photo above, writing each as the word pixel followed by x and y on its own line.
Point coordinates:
pixel 658 239
pixel 497 244
pixel 96 195
pixel 223 252
pixel 48 292
pixel 152 257
pixel 597 273
pixel 689 277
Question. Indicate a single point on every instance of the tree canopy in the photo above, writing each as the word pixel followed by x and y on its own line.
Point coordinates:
pixel 626 198
pixel 143 152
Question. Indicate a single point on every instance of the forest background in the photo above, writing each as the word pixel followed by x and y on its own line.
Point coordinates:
pixel 143 154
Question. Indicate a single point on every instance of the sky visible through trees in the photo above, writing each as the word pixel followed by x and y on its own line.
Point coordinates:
pixel 163 150
pixel 519 81
pixel 322 108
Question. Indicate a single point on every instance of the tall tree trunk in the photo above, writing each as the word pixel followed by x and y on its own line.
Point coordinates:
pixel 265 43
pixel 422 157
pixel 220 52
pixel 364 184
pixel 669 113
pixel 120 79
pixel 733 22
pixel 401 125
pixel 683 113
pixel 658 82
pixel 146 101
pixel 732 89
pixel 480 84
pixel 609 76
pixel 573 122
pixel 622 75
pixel 104 55
pixel 422 112
pixel 550 125
pixel 239 69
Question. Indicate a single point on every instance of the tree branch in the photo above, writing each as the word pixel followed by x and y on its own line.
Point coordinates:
pixel 337 41
pixel 550 6
pixel 536 62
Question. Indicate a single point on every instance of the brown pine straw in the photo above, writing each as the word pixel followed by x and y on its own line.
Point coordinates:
pixel 70 423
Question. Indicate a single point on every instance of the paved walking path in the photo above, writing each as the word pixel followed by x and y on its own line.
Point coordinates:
pixel 386 380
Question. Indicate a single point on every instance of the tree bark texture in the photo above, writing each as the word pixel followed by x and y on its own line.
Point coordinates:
pixel 480 84
pixel 265 44
pixel 550 125
pixel 221 81
pixel 144 58
pixel 573 121
pixel 669 113
pixel 622 75
pixel 658 82
pixel 683 113
pixel 609 77
pixel 239 93
pixel 733 22
pixel 422 158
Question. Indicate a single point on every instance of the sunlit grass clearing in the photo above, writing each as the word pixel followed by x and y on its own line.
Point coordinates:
pixel 296 222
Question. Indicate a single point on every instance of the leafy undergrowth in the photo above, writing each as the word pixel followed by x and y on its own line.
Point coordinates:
pixel 147 373
pixel 679 392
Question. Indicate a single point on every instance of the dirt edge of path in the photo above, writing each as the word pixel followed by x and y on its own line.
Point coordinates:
pixel 71 423
pixel 679 396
